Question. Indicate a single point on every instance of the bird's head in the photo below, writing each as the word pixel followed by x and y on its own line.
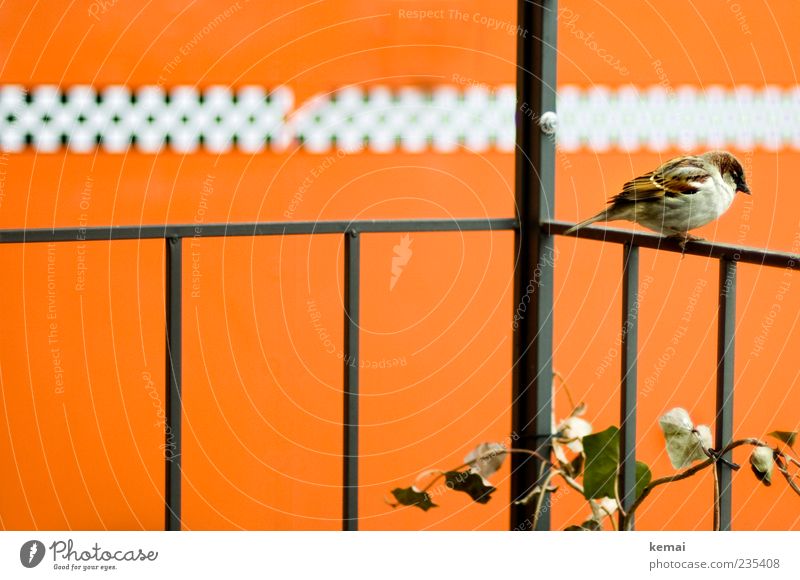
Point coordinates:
pixel 730 169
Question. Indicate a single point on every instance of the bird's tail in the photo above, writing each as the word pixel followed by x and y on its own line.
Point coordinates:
pixel 600 217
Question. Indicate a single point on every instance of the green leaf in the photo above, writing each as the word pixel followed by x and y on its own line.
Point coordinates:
pixel 788 437
pixel 762 461
pixel 643 477
pixel 602 466
pixel 470 483
pixel 602 462
pixel 411 496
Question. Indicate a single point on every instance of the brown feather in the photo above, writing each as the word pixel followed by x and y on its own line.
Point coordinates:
pixel 672 179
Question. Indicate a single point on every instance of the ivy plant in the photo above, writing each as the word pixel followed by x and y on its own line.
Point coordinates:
pixel 589 462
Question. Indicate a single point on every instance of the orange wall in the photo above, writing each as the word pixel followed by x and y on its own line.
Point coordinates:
pixel 261 389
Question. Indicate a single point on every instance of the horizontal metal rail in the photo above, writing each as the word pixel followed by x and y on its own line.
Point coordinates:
pixel 742 254
pixel 218 230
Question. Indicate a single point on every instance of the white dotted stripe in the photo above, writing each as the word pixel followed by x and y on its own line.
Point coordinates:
pixel 443 119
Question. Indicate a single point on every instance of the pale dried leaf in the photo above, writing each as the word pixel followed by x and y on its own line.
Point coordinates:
pixel 558 451
pixel 486 458
pixel 703 433
pixel 603 507
pixel 685 444
pixel 762 460
pixel 572 430
pixel 676 420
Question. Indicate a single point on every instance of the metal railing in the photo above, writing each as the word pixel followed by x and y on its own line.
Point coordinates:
pixel 533 342
pixel 173 236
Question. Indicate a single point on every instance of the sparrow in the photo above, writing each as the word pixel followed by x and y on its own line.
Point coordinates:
pixel 682 194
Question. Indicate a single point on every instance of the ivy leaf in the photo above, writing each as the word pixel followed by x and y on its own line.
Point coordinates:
pixel 703 433
pixel 558 451
pixel 676 419
pixel 571 432
pixel 643 477
pixel 592 526
pixel 587 526
pixel 576 465
pixel 601 508
pixel 491 459
pixel 788 437
pixel 762 461
pixel 602 461
pixel 685 443
pixel 470 483
pixel 412 496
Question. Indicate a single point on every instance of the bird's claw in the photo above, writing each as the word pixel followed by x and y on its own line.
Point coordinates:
pixel 685 238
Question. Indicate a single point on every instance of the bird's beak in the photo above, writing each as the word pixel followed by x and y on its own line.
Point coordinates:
pixel 743 188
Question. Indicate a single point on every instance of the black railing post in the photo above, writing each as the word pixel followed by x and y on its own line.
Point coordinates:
pixel 172 429
pixel 629 343
pixel 725 353
pixel 352 261
pixel 535 180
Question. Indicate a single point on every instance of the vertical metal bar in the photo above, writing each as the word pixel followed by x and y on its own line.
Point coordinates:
pixel 533 288
pixel 725 354
pixel 352 259
pixel 172 430
pixel 629 337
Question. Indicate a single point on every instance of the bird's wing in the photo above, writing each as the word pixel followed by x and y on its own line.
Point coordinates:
pixel 675 178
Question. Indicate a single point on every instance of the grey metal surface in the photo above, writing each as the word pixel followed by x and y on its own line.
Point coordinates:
pixel 71 234
pixel 629 334
pixel 352 290
pixel 533 271
pixel 172 443
pixel 723 423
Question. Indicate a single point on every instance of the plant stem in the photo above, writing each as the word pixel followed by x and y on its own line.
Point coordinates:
pixel 628 519
pixel 789 477
pixel 789 458
pixel 540 500
pixel 616 494
pixel 570 482
pixel 487 455
pixel 560 377
pixel 610 518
